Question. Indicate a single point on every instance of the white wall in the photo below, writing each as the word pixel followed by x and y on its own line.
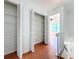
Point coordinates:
pixel 26 28
pixel 39 8
pixel 69 19
pixel 10 28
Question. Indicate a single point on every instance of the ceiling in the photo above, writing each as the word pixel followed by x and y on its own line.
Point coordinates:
pixel 45 4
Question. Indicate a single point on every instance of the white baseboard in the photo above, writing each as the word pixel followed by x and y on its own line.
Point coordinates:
pixel 9 52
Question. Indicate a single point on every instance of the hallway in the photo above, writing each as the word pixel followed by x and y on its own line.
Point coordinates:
pixel 42 51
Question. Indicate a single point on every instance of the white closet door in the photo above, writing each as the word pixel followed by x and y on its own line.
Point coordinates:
pixel 10 28
pixel 38 28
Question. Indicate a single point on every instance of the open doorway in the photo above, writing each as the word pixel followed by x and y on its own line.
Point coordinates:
pixel 10 28
pixel 54 30
pixel 37 29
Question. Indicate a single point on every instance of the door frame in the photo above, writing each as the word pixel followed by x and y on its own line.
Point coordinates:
pixel 19 31
pixel 31 32
pixel 57 34
pixel 60 10
pixel 19 27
